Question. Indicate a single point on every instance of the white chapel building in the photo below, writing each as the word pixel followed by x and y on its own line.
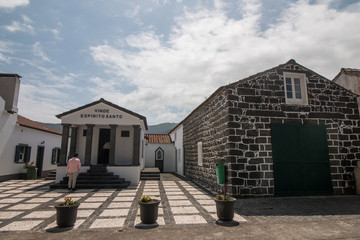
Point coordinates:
pixel 103 133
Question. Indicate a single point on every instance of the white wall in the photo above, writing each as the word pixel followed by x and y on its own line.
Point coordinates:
pixel 169 155
pixel 11 134
pixel 177 137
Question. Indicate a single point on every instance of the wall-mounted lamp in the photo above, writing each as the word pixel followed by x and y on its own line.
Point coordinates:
pixel 42 142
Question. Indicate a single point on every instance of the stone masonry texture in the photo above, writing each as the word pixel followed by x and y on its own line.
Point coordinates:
pixel 233 125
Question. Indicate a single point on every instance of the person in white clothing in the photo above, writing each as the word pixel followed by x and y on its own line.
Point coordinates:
pixel 72 169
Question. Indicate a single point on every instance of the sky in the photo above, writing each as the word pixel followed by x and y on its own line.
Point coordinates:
pixel 162 58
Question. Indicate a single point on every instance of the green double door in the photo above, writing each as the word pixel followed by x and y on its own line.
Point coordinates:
pixel 301 160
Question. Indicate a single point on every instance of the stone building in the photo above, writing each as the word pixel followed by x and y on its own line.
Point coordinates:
pixel 284 131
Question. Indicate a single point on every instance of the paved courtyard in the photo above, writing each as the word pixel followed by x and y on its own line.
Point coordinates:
pixel 187 211
pixel 28 205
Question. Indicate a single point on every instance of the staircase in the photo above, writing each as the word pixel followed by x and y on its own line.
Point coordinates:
pixel 51 175
pixel 95 177
pixel 150 174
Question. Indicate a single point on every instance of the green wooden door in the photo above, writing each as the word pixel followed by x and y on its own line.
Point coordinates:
pixel 301 159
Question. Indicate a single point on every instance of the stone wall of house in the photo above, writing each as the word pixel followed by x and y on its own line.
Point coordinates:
pixel 207 125
pixel 234 126
pixel 257 102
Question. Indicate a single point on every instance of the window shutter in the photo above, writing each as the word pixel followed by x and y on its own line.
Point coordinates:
pixel 27 154
pixel 58 156
pixel 53 156
pixel 17 153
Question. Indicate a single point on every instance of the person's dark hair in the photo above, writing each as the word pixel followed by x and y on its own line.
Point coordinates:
pixel 76 155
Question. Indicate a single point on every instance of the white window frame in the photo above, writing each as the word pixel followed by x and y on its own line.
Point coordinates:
pixel 200 154
pixel 304 98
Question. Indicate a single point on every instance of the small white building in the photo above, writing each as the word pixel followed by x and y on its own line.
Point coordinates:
pixel 21 139
pixel 176 135
pixel 107 134
pixel 160 152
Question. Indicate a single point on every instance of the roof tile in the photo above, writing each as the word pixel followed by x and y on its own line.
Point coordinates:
pixel 23 121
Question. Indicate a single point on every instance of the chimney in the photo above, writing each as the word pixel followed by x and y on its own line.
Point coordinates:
pixel 9 91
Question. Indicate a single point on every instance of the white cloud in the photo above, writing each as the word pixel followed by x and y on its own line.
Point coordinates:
pixel 39 52
pixel 24 26
pixel 5 49
pixel 207 49
pixel 9 4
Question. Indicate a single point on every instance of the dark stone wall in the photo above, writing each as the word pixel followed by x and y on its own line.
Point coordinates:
pixel 207 125
pixel 234 127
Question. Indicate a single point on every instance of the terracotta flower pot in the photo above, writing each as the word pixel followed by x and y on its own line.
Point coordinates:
pixel 225 209
pixel 149 211
pixel 66 215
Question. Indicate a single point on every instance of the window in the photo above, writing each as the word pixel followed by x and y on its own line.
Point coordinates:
pixel 200 153
pixel 55 157
pixel 22 153
pixel 295 88
pixel 159 154
pixel 84 132
pixel 125 133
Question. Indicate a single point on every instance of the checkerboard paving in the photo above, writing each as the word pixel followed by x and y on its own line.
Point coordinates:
pixel 28 205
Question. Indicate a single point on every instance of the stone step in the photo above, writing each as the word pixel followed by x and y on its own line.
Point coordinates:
pixel 96 174
pixel 103 181
pixel 86 177
pixel 96 186
pixel 150 178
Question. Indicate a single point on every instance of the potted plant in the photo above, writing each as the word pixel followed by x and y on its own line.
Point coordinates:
pixel 66 212
pixel 148 209
pixel 31 170
pixel 225 207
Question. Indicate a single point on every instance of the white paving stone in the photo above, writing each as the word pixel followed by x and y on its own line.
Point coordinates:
pixel 3 205
pixel 24 206
pixel 39 200
pixel 180 203
pixel 189 219
pixel 24 195
pixel 90 205
pixel 124 198
pixel 115 212
pixel 108 223
pixel 84 213
pixel 72 195
pixel 176 197
pixel 120 205
pixel 183 210
pixel 50 194
pixel 96 199
pixel 40 214
pixel 13 191
pixel 206 202
pixel 210 209
pixel 4 195
pixel 102 194
pixel 11 200
pixel 21 225
pixel 174 193
pixel 9 214
pixel 202 196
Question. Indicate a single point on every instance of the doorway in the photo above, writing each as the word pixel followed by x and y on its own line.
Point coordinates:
pixel 159 159
pixel 104 146
pixel 39 160
pixel 301 160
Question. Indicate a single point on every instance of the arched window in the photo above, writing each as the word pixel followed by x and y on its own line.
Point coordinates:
pixel 159 154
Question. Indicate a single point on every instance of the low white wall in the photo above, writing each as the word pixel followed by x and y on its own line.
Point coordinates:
pixel 130 173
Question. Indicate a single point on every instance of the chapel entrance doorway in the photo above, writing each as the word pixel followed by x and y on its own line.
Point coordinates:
pixel 104 146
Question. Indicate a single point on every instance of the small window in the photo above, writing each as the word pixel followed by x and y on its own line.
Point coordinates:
pixel 84 132
pixel 125 133
pixel 55 157
pixel 200 153
pixel 295 88
pixel 22 153
pixel 159 154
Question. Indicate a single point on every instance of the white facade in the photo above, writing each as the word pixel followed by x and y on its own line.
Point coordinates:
pixel 105 134
pixel 176 136
pixel 169 155
pixel 12 134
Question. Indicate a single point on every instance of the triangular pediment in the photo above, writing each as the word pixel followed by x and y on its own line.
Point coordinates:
pixel 101 112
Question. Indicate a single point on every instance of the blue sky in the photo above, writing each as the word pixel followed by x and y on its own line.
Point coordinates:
pixel 162 58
